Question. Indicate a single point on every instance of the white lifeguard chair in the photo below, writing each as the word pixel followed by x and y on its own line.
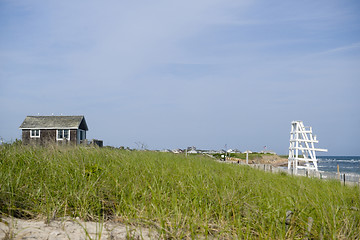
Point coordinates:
pixel 301 138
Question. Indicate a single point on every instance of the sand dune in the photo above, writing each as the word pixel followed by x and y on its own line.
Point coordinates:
pixel 12 228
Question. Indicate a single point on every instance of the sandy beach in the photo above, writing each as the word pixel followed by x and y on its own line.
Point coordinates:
pixel 13 228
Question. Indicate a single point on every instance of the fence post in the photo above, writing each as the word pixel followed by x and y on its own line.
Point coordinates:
pixel 344 179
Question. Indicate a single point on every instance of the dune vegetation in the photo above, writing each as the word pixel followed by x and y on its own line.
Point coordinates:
pixel 178 196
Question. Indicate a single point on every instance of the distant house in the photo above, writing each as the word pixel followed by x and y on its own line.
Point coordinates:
pixel 44 130
pixel 192 150
pixel 166 150
pixel 176 151
pixel 230 151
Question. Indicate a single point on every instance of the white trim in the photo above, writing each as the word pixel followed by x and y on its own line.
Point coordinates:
pixel 63 138
pixel 34 136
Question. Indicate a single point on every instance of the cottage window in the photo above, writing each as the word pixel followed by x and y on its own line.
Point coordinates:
pixel 63 134
pixel 35 133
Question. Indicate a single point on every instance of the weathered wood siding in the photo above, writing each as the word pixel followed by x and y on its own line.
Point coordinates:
pixel 47 137
pixel 26 136
pixel 73 136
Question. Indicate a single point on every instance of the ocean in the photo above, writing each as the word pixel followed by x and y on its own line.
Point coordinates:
pixel 347 164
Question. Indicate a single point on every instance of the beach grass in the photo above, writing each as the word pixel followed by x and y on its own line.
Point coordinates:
pixel 180 197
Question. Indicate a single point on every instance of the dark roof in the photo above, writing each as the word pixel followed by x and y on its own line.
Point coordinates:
pixel 54 122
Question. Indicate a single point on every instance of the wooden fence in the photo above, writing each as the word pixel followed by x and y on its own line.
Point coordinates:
pixel 345 178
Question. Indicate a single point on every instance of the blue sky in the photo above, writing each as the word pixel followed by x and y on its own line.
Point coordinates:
pixel 173 74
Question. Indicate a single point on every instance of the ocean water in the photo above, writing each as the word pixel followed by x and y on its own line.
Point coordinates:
pixel 347 164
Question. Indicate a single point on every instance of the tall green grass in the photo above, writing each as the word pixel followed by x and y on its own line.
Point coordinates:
pixel 181 197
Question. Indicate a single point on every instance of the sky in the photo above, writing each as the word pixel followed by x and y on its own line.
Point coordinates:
pixel 173 74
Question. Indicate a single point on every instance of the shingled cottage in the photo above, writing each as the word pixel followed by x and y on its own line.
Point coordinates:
pixel 43 130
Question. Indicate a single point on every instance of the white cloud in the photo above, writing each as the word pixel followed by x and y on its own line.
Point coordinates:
pixel 354 46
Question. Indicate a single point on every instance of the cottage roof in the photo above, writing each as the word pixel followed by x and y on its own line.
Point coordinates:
pixel 54 122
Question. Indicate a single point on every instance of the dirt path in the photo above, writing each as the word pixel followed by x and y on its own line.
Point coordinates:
pixel 12 228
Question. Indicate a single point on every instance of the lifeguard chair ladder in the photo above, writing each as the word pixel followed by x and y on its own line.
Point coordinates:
pixel 301 138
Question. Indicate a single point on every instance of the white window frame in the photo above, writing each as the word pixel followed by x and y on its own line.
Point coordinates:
pixel 37 133
pixel 63 134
